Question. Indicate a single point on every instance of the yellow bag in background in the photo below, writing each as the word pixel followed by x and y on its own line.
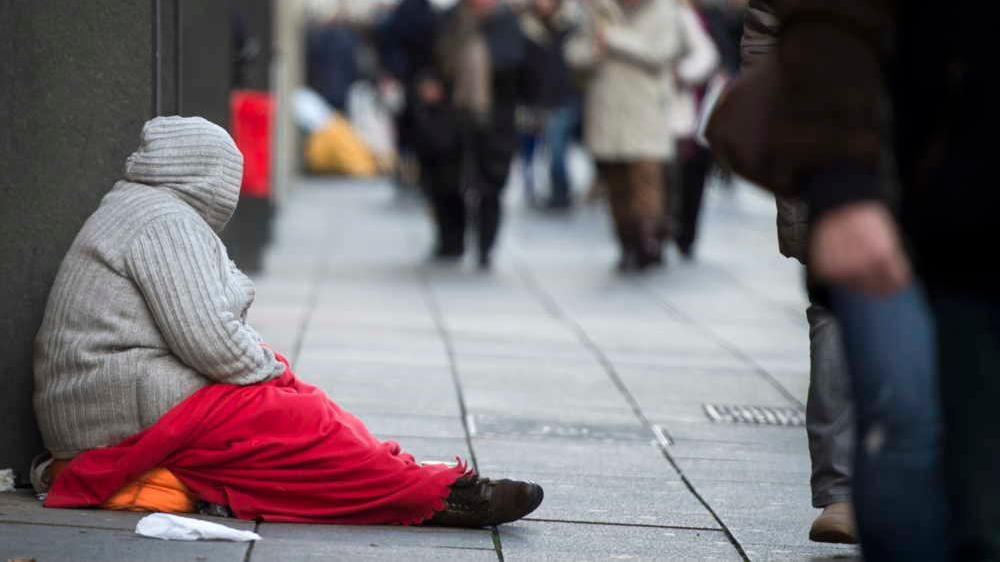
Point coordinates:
pixel 337 149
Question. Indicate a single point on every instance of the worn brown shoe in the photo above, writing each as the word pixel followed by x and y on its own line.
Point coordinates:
pixel 481 502
pixel 835 525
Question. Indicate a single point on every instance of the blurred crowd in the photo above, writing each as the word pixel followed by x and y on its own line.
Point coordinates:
pixel 863 127
pixel 446 95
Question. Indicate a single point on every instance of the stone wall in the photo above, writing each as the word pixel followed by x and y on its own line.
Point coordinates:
pixel 77 80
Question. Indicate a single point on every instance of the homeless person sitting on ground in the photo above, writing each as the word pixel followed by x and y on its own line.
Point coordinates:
pixel 148 377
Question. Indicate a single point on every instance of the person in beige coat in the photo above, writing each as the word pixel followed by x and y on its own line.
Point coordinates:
pixel 625 54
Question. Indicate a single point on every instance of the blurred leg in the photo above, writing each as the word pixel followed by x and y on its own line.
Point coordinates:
pixel 442 184
pixel 529 143
pixel 898 484
pixel 493 158
pixel 969 340
pixel 615 177
pixel 694 170
pixel 647 209
pixel 559 131
pixel 828 411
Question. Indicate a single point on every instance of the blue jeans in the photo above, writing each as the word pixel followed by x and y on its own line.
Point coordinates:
pixel 558 133
pixel 898 483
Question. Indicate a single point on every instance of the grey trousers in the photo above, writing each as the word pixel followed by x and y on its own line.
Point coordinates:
pixel 829 422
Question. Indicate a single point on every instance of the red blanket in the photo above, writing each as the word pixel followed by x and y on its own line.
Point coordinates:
pixel 276 451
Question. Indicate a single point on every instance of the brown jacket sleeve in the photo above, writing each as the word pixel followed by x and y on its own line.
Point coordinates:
pixel 812 105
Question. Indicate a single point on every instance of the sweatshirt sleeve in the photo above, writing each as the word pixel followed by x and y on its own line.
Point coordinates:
pixel 180 267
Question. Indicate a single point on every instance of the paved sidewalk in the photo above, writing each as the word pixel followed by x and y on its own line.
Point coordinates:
pixel 551 368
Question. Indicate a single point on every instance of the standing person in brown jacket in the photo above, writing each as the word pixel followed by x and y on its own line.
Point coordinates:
pixel 828 407
pixel 811 121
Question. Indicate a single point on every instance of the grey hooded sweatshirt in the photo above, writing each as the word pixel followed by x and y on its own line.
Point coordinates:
pixel 147 307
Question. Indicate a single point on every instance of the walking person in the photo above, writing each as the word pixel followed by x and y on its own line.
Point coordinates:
pixel 624 52
pixel 146 370
pixel 829 414
pixel 923 355
pixel 698 66
pixel 552 102
pixel 480 56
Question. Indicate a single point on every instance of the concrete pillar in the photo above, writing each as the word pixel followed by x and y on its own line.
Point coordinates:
pixel 77 87
pixel 77 81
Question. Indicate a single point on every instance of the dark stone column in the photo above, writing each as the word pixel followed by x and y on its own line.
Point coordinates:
pixel 77 81
pixel 206 55
pixel 76 89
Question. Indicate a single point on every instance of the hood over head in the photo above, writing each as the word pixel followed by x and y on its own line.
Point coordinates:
pixel 195 159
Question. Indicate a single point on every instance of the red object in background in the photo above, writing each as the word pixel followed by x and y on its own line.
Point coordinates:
pixel 274 451
pixel 252 113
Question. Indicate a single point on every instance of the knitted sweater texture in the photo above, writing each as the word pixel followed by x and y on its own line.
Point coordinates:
pixel 147 307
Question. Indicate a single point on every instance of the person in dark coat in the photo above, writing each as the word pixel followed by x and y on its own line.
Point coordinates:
pixel 331 61
pixel 405 46
pixel 812 122
pixel 480 56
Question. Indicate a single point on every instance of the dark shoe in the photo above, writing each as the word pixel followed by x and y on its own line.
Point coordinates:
pixel 835 525
pixel 485 262
pixel 627 262
pixel 448 253
pixel 480 502
pixel 687 251
pixel 559 205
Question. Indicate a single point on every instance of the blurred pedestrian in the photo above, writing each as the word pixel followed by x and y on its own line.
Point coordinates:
pixel 810 121
pixel 331 57
pixel 624 52
pixel 480 55
pixel 551 101
pixel 699 65
pixel 405 44
pixel 829 414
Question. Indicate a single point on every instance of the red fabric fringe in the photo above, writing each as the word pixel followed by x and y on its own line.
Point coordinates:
pixel 276 451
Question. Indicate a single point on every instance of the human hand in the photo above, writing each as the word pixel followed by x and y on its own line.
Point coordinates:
pixel 858 246
pixel 430 91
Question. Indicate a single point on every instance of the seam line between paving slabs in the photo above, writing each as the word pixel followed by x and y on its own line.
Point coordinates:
pixel 249 552
pixel 615 524
pixel 722 342
pixel 553 308
pixel 438 316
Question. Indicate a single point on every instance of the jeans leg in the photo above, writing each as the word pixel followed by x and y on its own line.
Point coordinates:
pixel 969 348
pixel 898 484
pixel 829 416
pixel 558 132
pixel 528 145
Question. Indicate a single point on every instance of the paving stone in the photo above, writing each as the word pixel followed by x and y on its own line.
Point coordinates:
pixel 383 387
pixel 85 544
pixel 409 425
pixel 743 470
pixel 510 457
pixel 656 391
pixel 621 500
pixel 508 427
pixel 535 540
pixel 307 543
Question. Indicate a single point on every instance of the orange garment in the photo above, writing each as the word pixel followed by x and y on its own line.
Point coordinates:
pixel 157 490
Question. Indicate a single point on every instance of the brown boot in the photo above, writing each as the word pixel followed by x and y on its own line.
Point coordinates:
pixel 835 525
pixel 481 502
